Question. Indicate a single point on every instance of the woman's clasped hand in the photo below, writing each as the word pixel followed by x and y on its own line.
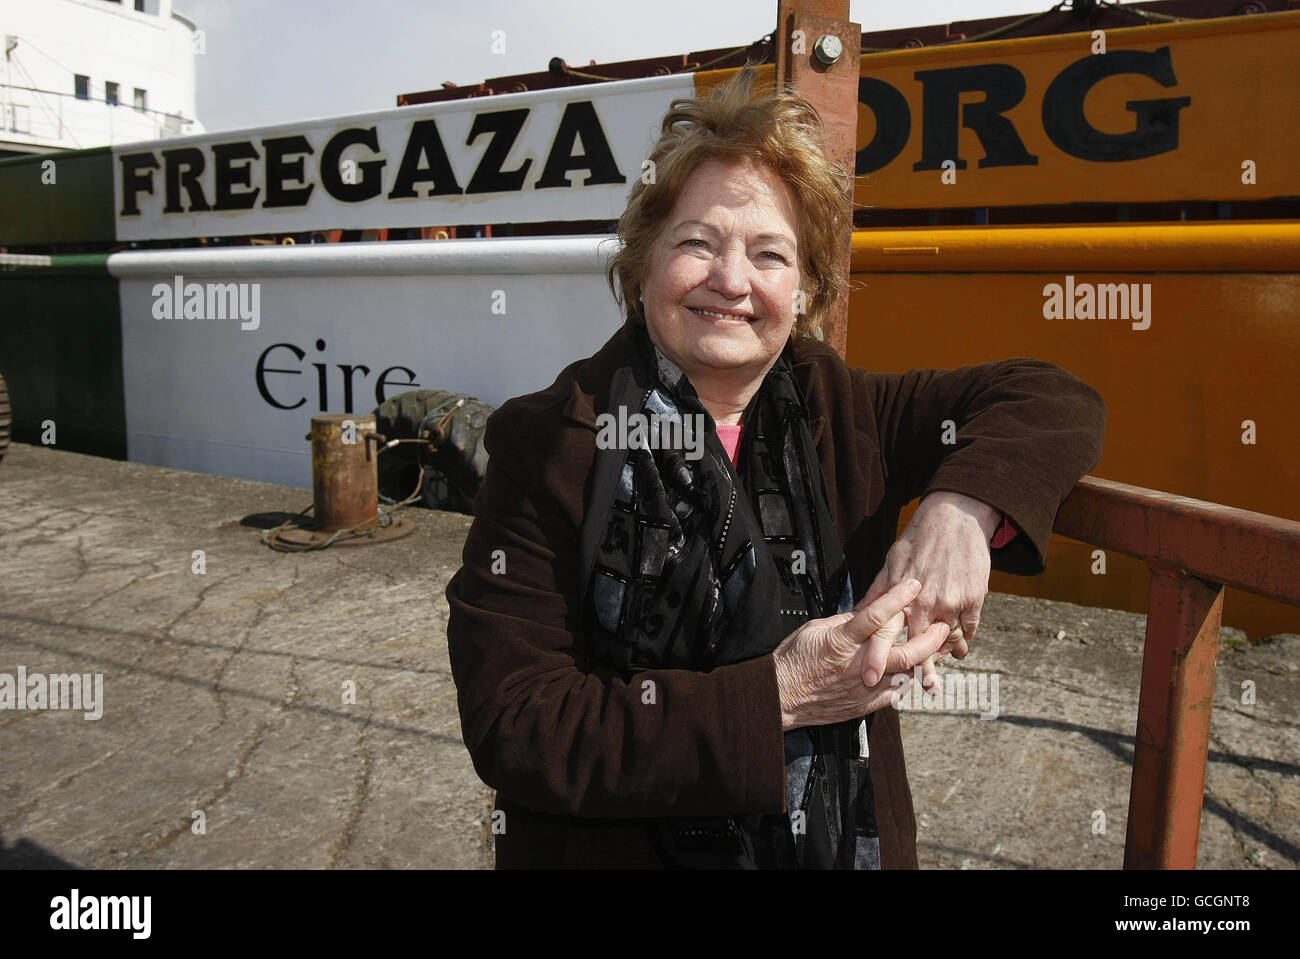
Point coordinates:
pixel 820 667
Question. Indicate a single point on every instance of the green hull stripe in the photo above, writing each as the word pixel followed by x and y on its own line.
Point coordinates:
pixel 66 264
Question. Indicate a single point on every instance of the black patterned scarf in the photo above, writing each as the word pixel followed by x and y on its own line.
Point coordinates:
pixel 688 565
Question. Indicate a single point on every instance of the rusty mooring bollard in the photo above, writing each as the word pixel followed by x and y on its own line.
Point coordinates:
pixel 345 489
pixel 344 472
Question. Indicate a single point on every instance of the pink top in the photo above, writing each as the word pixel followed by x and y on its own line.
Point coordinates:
pixel 730 438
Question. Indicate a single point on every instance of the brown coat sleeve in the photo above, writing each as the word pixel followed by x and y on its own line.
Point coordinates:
pixel 1025 432
pixel 542 729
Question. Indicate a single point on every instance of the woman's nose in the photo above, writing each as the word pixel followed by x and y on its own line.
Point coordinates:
pixel 729 274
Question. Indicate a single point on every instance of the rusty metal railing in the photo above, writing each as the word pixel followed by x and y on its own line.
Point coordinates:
pixel 1194 549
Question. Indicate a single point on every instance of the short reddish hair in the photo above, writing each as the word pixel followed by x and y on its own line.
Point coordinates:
pixel 781 132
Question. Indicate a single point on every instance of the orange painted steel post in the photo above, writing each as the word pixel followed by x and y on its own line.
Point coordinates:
pixel 823 67
pixel 1173 729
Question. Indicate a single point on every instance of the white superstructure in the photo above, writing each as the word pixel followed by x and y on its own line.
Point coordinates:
pixel 89 73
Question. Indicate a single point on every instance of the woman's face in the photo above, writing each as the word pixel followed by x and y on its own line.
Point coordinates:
pixel 728 247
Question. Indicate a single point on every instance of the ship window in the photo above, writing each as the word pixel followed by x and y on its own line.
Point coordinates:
pixel 83 87
pixel 110 92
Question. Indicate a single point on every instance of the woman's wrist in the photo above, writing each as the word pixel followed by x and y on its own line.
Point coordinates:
pixel 784 689
pixel 988 517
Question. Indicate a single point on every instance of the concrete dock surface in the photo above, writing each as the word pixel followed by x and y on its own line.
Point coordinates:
pixel 227 738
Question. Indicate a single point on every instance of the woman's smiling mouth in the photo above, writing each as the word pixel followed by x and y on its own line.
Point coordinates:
pixel 715 315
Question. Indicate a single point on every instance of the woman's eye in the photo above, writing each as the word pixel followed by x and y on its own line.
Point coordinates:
pixel 698 244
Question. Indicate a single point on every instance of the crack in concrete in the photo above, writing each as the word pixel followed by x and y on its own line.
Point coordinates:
pixel 83 565
pixel 136 577
pixel 166 638
pixel 359 799
pixel 232 777
pixel 130 635
pixel 59 783
pixel 361 571
pixel 96 509
pixel 41 523
pixel 20 714
pixel 18 811
pixel 1255 717
pixel 244 635
pixel 86 517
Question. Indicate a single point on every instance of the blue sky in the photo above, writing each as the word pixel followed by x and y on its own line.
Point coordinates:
pixel 271 61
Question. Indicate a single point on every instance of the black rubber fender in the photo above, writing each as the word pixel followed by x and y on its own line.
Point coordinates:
pixel 454 473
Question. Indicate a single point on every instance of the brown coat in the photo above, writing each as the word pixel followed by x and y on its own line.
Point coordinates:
pixel 576 755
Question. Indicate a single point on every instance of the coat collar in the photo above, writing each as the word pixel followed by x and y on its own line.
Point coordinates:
pixel 594 376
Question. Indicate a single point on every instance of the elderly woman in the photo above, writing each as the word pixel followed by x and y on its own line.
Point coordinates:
pixel 656 646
